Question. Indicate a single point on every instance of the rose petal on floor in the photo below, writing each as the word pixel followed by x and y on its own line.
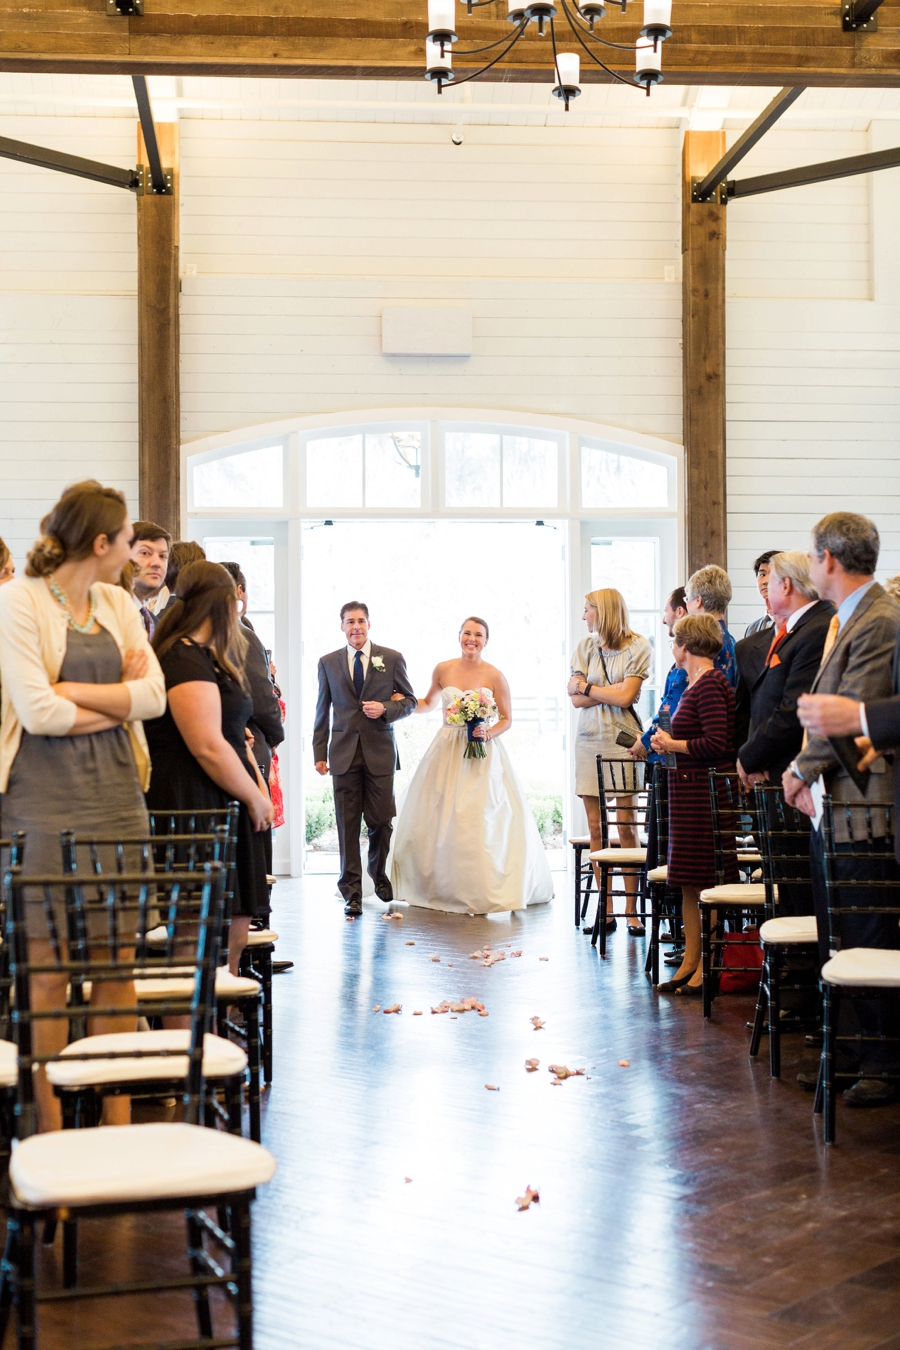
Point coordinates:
pixel 531 1065
pixel 515 953
pixel 394 1008
pixel 410 944
pixel 490 1087
pixel 531 1197
pixel 435 958
pixel 537 1023
pixel 624 1063
pixel 377 1008
pixel 418 1013
pixel 543 958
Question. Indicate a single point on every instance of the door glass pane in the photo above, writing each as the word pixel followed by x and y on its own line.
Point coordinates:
pixel 530 472
pixel 631 566
pixel 334 471
pixel 471 469
pixel 393 467
pixel 253 478
pixel 611 480
pixel 256 559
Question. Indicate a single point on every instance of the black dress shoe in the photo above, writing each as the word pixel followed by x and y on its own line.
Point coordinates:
pixel 672 986
pixel 674 958
pixel 809 1080
pixel 691 990
pixel 279 967
pixel 637 930
pixel 871 1092
pixel 611 925
pixel 384 890
pixel 353 908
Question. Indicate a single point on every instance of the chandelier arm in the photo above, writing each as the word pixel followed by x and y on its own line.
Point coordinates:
pixel 474 76
pixel 556 66
pixel 619 46
pixel 474 51
pixel 596 59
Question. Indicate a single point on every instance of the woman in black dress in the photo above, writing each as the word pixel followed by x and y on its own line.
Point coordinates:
pixel 199 747
pixel 702 739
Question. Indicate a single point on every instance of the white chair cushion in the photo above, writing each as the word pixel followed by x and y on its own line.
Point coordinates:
pixel 580 839
pixel 736 894
pixel 789 931
pixel 227 986
pixel 864 966
pixel 134 1162
pixel 748 855
pixel 221 1059
pixel 260 937
pixel 619 855
pixel 9 1064
pixel 657 873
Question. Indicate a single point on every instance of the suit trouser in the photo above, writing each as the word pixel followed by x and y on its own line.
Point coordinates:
pixel 361 795
pixel 866 1016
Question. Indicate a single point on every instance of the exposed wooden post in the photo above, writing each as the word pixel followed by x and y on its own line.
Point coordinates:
pixel 703 323
pixel 159 403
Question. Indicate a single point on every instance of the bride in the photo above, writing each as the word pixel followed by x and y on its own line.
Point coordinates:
pixel 465 840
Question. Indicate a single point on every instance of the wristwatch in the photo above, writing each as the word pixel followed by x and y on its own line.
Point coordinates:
pixel 587 689
pixel 795 771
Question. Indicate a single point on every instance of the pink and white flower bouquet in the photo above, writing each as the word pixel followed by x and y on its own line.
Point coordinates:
pixel 471 709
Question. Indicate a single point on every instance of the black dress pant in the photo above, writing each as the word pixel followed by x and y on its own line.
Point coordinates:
pixel 361 795
pixel 860 1015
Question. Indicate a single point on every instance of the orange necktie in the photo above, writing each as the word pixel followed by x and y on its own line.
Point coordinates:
pixel 776 642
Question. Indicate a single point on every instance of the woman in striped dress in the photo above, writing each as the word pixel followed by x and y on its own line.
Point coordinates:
pixel 701 739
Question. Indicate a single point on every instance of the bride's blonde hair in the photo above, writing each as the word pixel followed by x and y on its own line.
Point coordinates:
pixel 612 628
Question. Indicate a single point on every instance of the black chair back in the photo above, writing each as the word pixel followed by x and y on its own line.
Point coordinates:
pixel 618 778
pixel 862 876
pixel 733 818
pixel 784 848
pixel 205 821
pixel 103 939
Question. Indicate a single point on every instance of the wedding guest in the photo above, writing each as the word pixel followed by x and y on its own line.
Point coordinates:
pixel 79 678
pixel 708 591
pixel 701 739
pixel 676 683
pixel 182 552
pixel 7 566
pixel 265 725
pixel 892 586
pixel 608 669
pixel 856 664
pixel 199 746
pixel 150 546
pixel 761 569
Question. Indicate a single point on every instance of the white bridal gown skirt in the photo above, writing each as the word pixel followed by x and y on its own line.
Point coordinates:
pixel 465 840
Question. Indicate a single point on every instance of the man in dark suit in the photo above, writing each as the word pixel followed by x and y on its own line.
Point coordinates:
pixel 788 669
pixel 357 685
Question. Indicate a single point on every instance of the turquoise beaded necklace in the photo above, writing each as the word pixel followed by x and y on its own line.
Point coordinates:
pixel 63 600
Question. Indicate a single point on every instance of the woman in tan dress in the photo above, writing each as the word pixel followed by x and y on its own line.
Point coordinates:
pixel 608 669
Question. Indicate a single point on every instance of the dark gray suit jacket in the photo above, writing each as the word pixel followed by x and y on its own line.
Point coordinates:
pixel 340 710
pixel 265 725
pixel 858 666
pixel 883 717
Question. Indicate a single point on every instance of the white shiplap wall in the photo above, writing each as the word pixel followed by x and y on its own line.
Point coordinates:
pixel 558 238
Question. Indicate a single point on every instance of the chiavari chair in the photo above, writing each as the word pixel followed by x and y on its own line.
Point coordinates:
pixel 611 860
pixel 665 901
pixel 732 903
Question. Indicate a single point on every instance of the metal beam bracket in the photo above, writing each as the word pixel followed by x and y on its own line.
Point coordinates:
pixel 709 188
pixel 716 194
pixel 859 16
pixel 124 8
pixel 144 182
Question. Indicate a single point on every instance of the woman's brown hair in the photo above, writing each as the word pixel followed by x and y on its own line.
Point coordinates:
pixel 699 634
pixel 205 591
pixel 473 618
pixel 84 512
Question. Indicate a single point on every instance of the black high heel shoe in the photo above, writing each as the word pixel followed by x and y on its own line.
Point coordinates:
pixel 673 986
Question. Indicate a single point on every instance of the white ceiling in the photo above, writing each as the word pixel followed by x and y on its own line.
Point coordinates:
pixel 406 101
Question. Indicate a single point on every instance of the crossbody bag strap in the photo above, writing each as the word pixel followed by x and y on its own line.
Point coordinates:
pixel 632 709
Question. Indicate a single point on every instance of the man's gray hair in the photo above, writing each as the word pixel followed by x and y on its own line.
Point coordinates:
pixel 793 565
pixel 851 540
pixel 712 587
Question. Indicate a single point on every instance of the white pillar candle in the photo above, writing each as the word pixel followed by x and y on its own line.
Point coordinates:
pixel 645 58
pixel 569 64
pixel 515 7
pixel 433 58
pixel 441 16
pixel 658 13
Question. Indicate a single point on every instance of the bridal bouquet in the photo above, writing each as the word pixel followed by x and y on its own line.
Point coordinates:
pixel 473 707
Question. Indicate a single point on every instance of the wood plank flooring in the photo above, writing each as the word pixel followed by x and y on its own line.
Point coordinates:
pixel 687 1202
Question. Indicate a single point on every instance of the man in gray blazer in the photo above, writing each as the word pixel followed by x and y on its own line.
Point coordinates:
pixel 357 704
pixel 856 664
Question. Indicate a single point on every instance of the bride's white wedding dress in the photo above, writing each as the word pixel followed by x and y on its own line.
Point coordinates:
pixel 465 839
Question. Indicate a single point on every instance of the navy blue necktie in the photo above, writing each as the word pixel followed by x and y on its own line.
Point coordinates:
pixel 358 676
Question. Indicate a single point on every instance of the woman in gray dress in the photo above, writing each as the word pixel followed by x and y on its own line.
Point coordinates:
pixel 608 669
pixel 78 677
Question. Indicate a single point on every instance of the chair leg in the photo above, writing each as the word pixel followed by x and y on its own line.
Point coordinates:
pixel 589 881
pixel 25 1299
pixel 251 1021
pixel 577 887
pixel 242 1266
pixel 267 1055
pixel 198 1269
pixel 705 962
pixel 70 1253
pixel 9 1272
pixel 775 1013
pixel 829 1019
pixel 762 1003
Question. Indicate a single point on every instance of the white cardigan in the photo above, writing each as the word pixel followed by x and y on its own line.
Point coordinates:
pixel 33 630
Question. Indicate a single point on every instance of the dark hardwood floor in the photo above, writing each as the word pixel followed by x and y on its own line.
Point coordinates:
pixel 687 1202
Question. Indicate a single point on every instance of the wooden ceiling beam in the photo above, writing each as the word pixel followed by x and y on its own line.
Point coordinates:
pixel 714 41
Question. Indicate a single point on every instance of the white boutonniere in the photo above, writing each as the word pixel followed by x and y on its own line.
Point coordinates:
pixel 378 663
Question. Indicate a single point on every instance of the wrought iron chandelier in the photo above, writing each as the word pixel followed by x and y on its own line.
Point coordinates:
pixel 580 15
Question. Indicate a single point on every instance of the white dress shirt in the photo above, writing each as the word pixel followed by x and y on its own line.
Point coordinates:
pixel 365 652
pixel 792 619
pixel 158 602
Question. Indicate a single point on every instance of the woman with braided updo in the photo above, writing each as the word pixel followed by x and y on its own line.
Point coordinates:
pixel 79 677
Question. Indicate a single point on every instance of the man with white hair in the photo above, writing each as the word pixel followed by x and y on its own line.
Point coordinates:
pixel 790 667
